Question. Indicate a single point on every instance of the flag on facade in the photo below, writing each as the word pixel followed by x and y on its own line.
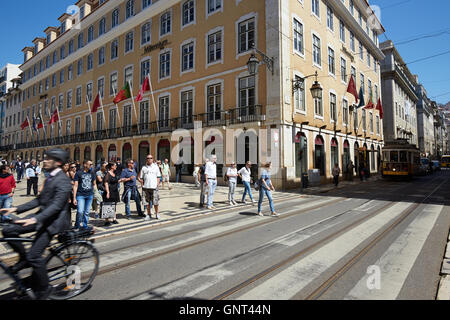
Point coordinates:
pixel 123 94
pixel 34 124
pixel 41 123
pixel 380 108
pixel 370 104
pixel 25 124
pixel 96 104
pixel 145 88
pixel 54 117
pixel 352 88
pixel 361 98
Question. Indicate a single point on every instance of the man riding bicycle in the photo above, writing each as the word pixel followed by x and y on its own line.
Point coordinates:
pixel 52 218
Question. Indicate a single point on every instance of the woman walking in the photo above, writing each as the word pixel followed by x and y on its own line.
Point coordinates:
pixel 7 188
pixel 232 182
pixel 98 192
pixel 265 187
pixel 246 173
pixel 111 194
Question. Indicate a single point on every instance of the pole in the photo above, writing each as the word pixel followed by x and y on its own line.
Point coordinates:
pixel 153 99
pixel 90 113
pixel 103 110
pixel 134 106
pixel 118 114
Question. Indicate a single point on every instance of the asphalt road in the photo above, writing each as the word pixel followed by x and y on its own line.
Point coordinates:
pixel 376 240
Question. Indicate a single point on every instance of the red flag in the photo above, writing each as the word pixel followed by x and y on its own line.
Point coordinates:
pixel 123 94
pixel 139 96
pixel 352 88
pixel 54 117
pixel 25 124
pixel 145 88
pixel 96 104
pixel 380 108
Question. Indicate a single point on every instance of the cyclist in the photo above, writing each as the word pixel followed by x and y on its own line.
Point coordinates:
pixel 52 218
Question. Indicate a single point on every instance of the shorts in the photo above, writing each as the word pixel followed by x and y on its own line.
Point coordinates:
pixel 152 195
pixel 165 178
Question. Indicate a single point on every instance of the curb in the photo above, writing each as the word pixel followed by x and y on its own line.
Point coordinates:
pixel 444 289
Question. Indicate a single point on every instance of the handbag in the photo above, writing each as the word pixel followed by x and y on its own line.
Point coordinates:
pixel 257 185
pixel 108 210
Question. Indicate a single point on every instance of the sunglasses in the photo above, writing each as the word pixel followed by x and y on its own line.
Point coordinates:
pixel 149 158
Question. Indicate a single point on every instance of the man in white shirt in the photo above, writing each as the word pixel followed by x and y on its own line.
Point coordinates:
pixel 245 174
pixel 32 174
pixel 149 178
pixel 211 180
pixel 232 175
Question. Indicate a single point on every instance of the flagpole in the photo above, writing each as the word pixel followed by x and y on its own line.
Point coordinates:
pixel 43 124
pixel 90 113
pixel 103 110
pixel 118 113
pixel 134 106
pixel 153 99
pixel 59 119
pixel 29 127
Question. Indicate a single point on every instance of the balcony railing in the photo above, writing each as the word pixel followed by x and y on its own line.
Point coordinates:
pixel 219 118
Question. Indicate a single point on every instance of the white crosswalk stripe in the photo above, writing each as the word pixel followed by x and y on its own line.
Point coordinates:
pixel 397 261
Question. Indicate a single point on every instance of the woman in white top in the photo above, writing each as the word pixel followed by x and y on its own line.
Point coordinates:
pixel 246 175
pixel 232 182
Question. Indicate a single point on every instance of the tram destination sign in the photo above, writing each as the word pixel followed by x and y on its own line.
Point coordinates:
pixel 160 45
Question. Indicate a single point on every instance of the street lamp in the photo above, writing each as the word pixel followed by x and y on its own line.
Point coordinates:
pixel 316 89
pixel 253 62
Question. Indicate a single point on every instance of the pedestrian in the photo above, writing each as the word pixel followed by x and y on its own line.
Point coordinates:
pixel 165 171
pixel 179 169
pixel 245 174
pixel 13 165
pixel 265 188
pixel 100 164
pixel 32 174
pixel 98 191
pixel 128 177
pixel 196 175
pixel 72 172
pixel 20 169
pixel 203 184
pixel 211 180
pixel 336 172
pixel 111 194
pixel 361 171
pixel 150 180
pixel 66 169
pixel 350 168
pixel 232 182
pixel 7 188
pixel 78 165
pixel 52 218
pixel 83 189
pixel 119 168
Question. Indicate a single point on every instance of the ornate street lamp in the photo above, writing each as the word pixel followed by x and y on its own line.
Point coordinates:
pixel 253 62
pixel 316 89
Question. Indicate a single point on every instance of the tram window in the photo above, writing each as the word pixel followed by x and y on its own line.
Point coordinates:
pixel 386 156
pixel 403 156
pixel 394 156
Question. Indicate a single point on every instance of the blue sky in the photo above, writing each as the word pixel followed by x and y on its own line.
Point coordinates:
pixel 403 20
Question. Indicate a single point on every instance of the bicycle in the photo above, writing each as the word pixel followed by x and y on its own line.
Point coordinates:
pixel 72 265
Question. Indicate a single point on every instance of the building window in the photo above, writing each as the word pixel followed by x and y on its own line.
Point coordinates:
pixel 343 70
pixel 341 30
pixel 145 69
pixel 77 125
pixel 214 102
pixel 129 76
pixel 60 103
pixel 101 86
pixel 89 88
pixel 316 51
pixel 318 107
pixel 112 118
pixel 315 7
pixel 215 47
pixel 165 24
pixel 187 107
pixel 146 33
pixel 188 12
pixel 68 127
pixel 331 61
pixel 298 37
pixel 352 41
pixel 352 7
pixel 187 57
pixel 164 112
pixel 101 56
pixel 80 67
pixel 99 121
pixel 247 94
pixel 146 3
pixel 70 72
pixel 344 111
pixel 299 95
pixel 61 77
pixel 78 97
pixel 115 18
pixel 362 83
pixel 333 111
pixel 62 55
pixel 355 119
pixel 90 34
pixel 330 18
pixel 363 119
pixel 53 82
pixel 378 124
pixel 80 41
pixel 90 62
pixel 113 84
pixel 246 36
pixel 144 114
pixel 214 5
pixel 361 50
pixel 114 49
pixel 129 9
pixel 69 99
pixel 129 40
pixel 164 65
pixel 102 27
pixel 371 122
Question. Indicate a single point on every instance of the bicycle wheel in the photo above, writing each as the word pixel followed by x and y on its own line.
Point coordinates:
pixel 71 269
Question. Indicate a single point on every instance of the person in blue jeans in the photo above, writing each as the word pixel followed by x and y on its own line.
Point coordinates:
pixel 128 177
pixel 265 187
pixel 83 189
pixel 246 175
pixel 7 188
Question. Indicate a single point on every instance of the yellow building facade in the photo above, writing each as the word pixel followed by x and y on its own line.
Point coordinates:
pixel 196 54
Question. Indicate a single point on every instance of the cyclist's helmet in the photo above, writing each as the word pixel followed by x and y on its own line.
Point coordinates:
pixel 58 155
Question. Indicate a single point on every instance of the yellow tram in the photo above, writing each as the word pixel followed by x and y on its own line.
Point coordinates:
pixel 445 161
pixel 400 159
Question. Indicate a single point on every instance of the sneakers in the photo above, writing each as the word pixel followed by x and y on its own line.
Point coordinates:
pixel 158 217
pixel 115 222
pixel 244 202
pixel 107 224
pixel 260 214
pixel 147 218
pixel 210 208
pixel 274 214
pixel 231 203
pixel 234 202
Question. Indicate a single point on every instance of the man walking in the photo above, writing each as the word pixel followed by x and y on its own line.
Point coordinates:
pixel 211 180
pixel 165 171
pixel 83 190
pixel 246 175
pixel 336 172
pixel 350 168
pixel 32 174
pixel 149 178
pixel 179 169
pixel 203 184
pixel 19 169
pixel 232 182
pixel 129 177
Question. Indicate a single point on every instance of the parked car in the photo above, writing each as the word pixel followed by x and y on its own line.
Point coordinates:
pixel 435 165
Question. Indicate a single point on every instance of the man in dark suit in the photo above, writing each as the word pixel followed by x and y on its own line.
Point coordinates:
pixel 52 218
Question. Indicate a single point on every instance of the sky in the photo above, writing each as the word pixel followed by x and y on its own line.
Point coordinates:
pixel 403 20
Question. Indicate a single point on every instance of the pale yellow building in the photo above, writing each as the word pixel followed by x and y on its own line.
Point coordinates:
pixel 196 53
